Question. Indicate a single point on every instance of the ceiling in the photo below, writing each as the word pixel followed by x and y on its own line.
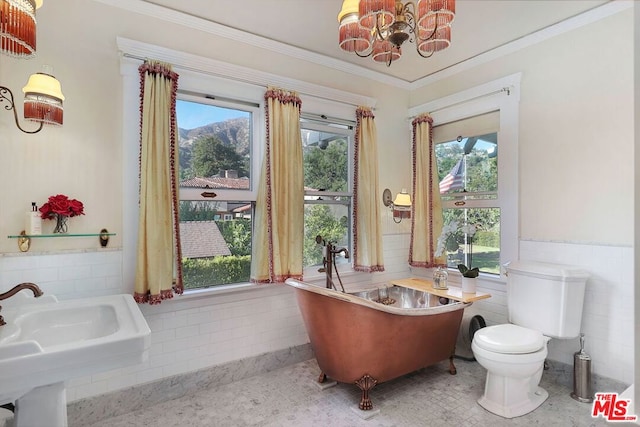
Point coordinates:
pixel 312 25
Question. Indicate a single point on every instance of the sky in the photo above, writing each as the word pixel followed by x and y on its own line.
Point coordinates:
pixel 193 114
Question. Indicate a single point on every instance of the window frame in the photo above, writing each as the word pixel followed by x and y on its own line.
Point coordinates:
pixel 342 127
pixel 230 195
pixel 502 95
pixel 256 153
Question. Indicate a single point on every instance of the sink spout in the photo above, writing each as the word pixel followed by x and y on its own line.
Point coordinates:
pixel 37 292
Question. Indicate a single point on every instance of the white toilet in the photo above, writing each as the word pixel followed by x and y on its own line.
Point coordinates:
pixel 544 301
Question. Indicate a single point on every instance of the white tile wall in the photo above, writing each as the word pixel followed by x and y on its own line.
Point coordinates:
pixel 608 313
pixel 73 274
pixel 208 329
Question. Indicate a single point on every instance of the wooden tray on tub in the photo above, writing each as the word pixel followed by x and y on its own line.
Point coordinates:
pixel 454 292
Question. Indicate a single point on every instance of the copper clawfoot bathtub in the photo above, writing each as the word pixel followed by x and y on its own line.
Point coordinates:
pixel 359 341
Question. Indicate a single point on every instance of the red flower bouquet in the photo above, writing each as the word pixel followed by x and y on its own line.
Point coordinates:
pixel 61 205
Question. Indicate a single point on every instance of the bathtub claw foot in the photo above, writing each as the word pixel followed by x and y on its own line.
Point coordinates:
pixel 365 384
pixel 322 378
pixel 452 367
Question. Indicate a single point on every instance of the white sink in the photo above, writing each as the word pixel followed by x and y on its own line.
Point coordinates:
pixel 46 341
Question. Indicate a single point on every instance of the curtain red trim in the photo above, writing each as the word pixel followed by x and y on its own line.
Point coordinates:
pixel 152 299
pixel 284 97
pixel 421 119
pixel 361 113
pixel 158 68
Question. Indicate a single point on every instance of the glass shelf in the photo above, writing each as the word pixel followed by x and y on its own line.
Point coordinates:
pixel 24 240
pixel 33 236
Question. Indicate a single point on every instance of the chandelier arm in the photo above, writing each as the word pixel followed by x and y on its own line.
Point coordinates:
pixel 364 56
pixel 424 56
pixel 377 32
pixel 3 95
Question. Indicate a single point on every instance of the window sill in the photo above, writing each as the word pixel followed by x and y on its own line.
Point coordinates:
pixel 232 289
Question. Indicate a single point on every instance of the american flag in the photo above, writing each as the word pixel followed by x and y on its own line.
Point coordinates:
pixel 454 179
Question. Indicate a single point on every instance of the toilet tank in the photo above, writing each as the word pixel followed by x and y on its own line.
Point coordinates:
pixel 546 297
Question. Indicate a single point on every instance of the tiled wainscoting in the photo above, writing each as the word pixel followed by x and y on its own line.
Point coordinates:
pixel 192 332
pixel 608 313
pixel 262 324
pixel 70 274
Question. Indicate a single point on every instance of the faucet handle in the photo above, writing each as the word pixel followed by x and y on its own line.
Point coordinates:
pixel 322 270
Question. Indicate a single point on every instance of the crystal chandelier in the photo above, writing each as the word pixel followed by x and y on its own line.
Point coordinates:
pixel 18 27
pixel 378 28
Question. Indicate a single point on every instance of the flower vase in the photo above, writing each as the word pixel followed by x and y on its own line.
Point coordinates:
pixel 469 285
pixel 61 224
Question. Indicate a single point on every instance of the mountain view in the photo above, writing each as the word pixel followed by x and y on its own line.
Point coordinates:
pixel 232 133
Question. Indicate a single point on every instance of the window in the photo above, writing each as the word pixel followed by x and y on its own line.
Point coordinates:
pixel 486 118
pixel 468 174
pixel 327 149
pixel 217 196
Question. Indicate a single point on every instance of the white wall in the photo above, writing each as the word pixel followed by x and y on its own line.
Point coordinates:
pixel 576 176
pixel 562 80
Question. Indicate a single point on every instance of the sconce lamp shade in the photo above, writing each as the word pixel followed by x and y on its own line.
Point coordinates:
pixel 402 199
pixel 18 27
pixel 43 99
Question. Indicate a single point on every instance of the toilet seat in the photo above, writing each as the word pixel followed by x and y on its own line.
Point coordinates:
pixel 509 339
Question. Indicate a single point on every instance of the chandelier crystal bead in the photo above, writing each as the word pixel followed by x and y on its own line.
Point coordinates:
pixel 18 27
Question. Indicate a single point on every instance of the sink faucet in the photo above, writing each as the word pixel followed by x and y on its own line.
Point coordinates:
pixel 37 292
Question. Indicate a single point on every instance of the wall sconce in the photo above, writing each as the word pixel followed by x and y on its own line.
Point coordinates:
pixel 401 206
pixel 42 101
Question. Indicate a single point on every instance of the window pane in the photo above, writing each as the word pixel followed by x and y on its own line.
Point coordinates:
pixel 329 221
pixel 216 242
pixel 481 250
pixel 215 146
pixel 470 164
pixel 325 160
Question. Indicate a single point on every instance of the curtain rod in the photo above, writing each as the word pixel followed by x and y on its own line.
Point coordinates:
pixel 235 78
pixel 504 89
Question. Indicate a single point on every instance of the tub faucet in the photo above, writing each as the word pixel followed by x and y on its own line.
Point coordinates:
pixel 329 261
pixel 37 292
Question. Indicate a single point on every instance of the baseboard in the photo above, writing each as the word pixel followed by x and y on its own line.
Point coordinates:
pixel 93 409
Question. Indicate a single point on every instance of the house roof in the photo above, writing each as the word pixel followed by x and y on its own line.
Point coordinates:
pixel 202 239
pixel 217 182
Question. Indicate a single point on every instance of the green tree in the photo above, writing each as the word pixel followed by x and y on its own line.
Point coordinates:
pixel 237 235
pixel 326 168
pixel 185 163
pixel 210 156
pixel 196 211
pixel 319 221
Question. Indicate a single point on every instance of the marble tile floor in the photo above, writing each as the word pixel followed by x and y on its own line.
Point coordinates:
pixel 290 396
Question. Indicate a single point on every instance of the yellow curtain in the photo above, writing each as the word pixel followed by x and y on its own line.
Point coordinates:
pixel 158 230
pixel 367 250
pixel 279 214
pixel 426 215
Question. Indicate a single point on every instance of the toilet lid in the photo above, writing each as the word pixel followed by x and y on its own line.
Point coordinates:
pixel 509 339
